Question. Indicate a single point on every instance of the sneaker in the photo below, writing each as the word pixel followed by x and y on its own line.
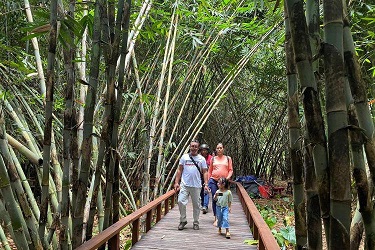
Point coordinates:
pixel 227 235
pixel 204 210
pixel 182 225
pixel 196 227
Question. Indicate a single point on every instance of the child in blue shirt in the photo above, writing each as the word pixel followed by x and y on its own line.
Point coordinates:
pixel 224 198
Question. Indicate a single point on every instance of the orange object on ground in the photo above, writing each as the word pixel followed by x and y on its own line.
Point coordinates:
pixel 265 192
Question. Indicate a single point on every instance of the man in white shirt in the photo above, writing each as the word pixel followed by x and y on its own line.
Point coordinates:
pixel 188 181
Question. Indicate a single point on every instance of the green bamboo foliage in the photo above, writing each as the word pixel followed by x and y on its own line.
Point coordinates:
pixel 86 148
pixel 48 120
pixel 337 120
pixel 13 208
pixel 311 104
pixel 295 141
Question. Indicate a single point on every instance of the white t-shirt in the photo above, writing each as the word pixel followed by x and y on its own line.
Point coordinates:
pixel 191 177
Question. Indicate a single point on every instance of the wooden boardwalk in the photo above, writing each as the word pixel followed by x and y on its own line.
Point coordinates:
pixel 165 235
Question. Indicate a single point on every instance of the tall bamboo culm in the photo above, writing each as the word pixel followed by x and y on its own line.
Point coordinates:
pixel 295 142
pixel 311 104
pixel 337 123
pixel 82 181
pixel 48 120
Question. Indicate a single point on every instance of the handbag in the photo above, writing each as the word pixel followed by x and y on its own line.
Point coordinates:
pixel 202 178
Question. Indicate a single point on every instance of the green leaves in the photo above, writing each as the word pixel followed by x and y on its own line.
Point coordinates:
pixel 289 234
pixel 67 25
pixel 285 236
pixel 251 242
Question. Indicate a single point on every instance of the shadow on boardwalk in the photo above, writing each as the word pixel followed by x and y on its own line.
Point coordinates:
pixel 164 235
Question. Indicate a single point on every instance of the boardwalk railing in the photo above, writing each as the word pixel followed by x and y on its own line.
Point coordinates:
pixel 259 228
pixel 112 233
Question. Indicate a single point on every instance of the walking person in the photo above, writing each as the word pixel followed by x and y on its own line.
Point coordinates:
pixel 221 166
pixel 188 181
pixel 224 198
pixel 204 150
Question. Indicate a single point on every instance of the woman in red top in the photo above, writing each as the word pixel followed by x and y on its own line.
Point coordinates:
pixel 221 166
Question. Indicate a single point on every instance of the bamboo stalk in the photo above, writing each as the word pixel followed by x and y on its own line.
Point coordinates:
pixel 4 240
pixel 24 131
pixel 31 113
pixel 159 165
pixel 122 37
pixel 34 41
pixel 26 185
pixel 13 208
pixel 83 177
pixel 35 159
pixel 5 218
pixel 48 119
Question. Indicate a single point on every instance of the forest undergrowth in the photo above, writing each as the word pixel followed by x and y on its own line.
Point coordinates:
pixel 278 213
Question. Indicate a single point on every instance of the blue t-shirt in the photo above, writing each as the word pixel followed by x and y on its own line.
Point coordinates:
pixel 191 177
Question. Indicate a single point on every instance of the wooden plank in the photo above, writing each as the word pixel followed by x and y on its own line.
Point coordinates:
pixel 165 235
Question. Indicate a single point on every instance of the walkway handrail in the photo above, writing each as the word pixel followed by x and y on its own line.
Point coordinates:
pixel 259 228
pixel 111 234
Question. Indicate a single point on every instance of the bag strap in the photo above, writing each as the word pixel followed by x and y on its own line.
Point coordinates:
pixel 191 158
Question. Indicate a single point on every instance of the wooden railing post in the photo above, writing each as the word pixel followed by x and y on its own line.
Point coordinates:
pixel 158 213
pixel 166 205
pixel 135 231
pixel 173 199
pixel 114 242
pixel 149 220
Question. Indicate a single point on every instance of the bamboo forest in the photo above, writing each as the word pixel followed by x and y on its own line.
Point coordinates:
pixel 99 100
